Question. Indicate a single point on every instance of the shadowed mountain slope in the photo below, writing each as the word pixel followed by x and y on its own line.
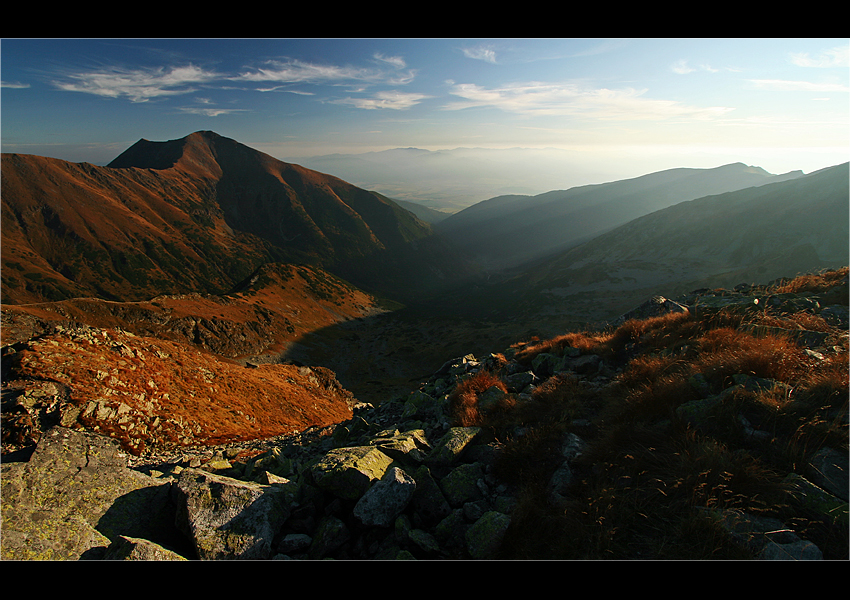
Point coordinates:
pixel 197 214
pixel 745 233
pixel 508 230
pixel 758 233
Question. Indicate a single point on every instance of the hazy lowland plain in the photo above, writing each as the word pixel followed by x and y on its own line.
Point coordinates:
pixel 203 244
pixel 451 180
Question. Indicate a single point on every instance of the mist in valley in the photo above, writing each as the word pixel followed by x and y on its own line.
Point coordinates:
pixel 449 180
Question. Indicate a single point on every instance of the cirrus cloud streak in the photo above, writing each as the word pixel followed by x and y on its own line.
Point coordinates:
pixel 390 99
pixel 295 71
pixel 834 57
pixel 569 99
pixel 138 85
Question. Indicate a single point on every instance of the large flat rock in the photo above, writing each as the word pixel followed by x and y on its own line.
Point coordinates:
pixel 75 496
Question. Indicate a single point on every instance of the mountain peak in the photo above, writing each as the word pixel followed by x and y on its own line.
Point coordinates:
pixel 196 153
pixel 739 166
pixel 220 206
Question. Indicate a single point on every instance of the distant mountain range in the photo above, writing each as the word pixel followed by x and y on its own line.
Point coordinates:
pixel 508 230
pixel 453 179
pixel 746 235
pixel 787 227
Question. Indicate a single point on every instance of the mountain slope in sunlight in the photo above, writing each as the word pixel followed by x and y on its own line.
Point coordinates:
pixel 197 214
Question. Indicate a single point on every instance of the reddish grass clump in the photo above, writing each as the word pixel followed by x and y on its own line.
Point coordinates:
pixel 813 282
pixel 658 332
pixel 464 398
pixel 798 320
pixel 655 332
pixel 725 352
pixel 582 340
pixel 649 484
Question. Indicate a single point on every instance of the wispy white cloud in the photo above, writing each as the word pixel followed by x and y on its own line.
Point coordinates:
pixel 682 67
pixel 480 53
pixel 784 85
pixel 290 76
pixel 138 85
pixel 14 85
pixel 389 99
pixel 396 61
pixel 209 112
pixel 284 88
pixel 834 57
pixel 296 71
pixel 570 99
pixel 359 80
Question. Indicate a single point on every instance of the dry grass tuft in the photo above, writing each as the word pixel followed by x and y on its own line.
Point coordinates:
pixel 725 352
pixel 798 320
pixel 655 332
pixel 649 368
pixel 814 282
pixel 463 401
pixel 648 484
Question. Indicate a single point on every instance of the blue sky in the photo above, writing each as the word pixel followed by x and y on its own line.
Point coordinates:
pixel 647 104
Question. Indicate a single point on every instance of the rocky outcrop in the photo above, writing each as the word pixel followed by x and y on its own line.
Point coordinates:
pixel 655 306
pixel 227 518
pixel 153 394
pixel 302 501
pixel 399 480
pixel 75 496
pixel 394 482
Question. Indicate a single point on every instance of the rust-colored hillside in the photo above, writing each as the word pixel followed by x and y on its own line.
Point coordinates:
pixel 154 299
pixel 190 369
pixel 198 214
pixel 277 306
pixel 153 394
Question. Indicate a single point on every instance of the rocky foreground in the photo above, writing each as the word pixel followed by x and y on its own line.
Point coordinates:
pixel 411 478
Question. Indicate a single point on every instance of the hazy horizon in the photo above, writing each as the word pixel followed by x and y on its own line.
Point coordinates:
pixel 582 110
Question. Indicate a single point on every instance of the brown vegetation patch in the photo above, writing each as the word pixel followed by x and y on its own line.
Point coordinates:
pixel 647 482
pixel 463 400
pixel 813 282
pixel 150 393
pixel 725 352
pixel 656 332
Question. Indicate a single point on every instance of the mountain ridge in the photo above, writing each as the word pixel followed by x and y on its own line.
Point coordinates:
pixel 799 225
pixel 508 230
pixel 202 200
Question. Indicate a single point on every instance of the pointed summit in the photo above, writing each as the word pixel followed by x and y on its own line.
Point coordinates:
pixel 199 213
pixel 196 150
